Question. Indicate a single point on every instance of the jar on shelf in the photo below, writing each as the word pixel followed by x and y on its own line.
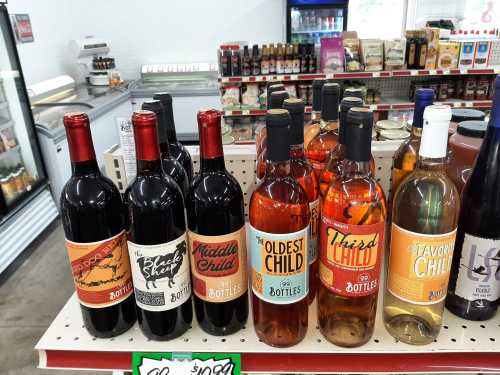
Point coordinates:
pixel 459 115
pixel 482 87
pixel 464 146
pixel 470 88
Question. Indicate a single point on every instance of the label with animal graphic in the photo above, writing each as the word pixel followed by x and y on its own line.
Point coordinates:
pixel 219 265
pixel 161 274
pixel 350 257
pixel 101 271
pixel 478 273
pixel 280 271
pixel 419 265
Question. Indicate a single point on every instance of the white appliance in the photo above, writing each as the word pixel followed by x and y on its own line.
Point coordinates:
pixel 93 65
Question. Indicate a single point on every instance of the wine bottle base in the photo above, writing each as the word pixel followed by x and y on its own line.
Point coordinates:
pixel 348 333
pixel 411 329
pixel 471 310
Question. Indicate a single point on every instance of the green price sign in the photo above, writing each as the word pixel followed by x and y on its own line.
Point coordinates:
pixel 185 364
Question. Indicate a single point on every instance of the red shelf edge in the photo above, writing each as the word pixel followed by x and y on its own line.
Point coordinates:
pixel 304 362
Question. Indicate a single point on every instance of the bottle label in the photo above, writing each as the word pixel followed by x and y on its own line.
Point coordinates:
pixel 312 244
pixel 350 257
pixel 161 274
pixel 419 265
pixel 264 67
pixel 478 276
pixel 219 265
pixel 280 66
pixel 280 271
pixel 101 271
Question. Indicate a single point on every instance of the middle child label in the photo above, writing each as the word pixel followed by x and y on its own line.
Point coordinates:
pixel 279 265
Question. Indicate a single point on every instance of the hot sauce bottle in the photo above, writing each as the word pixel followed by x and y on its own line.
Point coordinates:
pixel 351 241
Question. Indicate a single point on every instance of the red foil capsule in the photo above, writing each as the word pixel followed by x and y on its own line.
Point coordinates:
pixel 209 128
pixel 80 145
pixel 145 135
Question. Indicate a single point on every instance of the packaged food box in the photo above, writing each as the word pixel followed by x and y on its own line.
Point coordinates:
pixel 482 53
pixel 331 55
pixel 467 55
pixel 394 56
pixel 432 35
pixel 494 57
pixel 448 54
pixel 372 54
pixel 351 45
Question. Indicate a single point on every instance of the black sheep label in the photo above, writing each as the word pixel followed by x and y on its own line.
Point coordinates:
pixel 160 274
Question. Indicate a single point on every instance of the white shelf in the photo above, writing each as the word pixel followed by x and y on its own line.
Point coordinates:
pixel 66 344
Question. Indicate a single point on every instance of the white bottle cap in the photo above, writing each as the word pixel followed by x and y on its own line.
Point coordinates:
pixel 435 132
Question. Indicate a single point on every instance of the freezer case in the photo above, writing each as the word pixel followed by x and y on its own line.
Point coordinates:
pixel 307 21
pixel 22 174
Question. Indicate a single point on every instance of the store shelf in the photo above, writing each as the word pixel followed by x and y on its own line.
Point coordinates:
pixel 387 105
pixel 316 31
pixel 352 75
pixel 462 346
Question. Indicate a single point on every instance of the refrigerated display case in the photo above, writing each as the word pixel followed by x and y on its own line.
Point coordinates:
pixel 26 206
pixel 307 21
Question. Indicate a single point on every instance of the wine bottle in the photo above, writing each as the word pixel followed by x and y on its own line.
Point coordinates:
pixel 216 221
pixel 336 158
pixel 169 164
pixel 157 240
pixel 351 241
pixel 303 173
pixel 94 226
pixel 405 158
pixel 279 219
pixel 474 287
pixel 424 226
pixel 322 144
pixel 313 126
pixel 177 149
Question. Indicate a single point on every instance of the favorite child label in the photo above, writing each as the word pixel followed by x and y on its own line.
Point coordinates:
pixel 161 274
pixel 279 265
pixel 312 244
pixel 350 257
pixel 478 276
pixel 219 265
pixel 419 265
pixel 101 271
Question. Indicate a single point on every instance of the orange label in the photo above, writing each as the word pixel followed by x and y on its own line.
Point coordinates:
pixel 419 265
pixel 219 265
pixel 101 271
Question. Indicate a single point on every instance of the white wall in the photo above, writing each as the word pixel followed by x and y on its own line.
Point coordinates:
pixel 146 31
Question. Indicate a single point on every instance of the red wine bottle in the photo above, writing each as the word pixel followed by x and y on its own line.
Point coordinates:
pixel 169 164
pixel 177 149
pixel 94 225
pixel 157 240
pixel 216 221
pixel 474 288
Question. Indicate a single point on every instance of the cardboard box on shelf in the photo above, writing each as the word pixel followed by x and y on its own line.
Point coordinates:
pixel 351 45
pixel 466 59
pixel 481 54
pixel 494 57
pixel 432 34
pixel 448 54
pixel 331 55
pixel 372 54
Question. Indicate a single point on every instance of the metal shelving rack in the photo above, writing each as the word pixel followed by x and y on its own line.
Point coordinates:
pixel 462 346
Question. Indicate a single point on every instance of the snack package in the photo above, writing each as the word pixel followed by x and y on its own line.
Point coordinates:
pixel 394 56
pixel 8 138
pixel 448 53
pixel 482 53
pixel 331 55
pixel 372 54
pixel 231 97
pixel 494 57
pixel 432 35
pixel 466 59
pixel 352 62
pixel 250 96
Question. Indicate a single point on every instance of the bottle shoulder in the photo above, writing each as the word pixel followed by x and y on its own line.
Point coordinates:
pixel 409 147
pixel 283 190
pixel 90 191
pixel 215 188
pixel 152 190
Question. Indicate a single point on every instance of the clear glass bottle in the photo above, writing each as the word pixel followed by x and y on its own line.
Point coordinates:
pixel 353 217
pixel 424 226
pixel 313 126
pixel 279 219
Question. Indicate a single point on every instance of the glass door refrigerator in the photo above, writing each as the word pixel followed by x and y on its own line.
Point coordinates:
pixel 307 21
pixel 26 206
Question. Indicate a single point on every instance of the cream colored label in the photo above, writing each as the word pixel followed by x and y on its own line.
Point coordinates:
pixel 219 265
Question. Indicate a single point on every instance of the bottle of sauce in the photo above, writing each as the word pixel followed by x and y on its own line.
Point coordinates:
pixel 264 62
pixel 272 59
pixel 246 63
pixel 255 60
pixel 280 60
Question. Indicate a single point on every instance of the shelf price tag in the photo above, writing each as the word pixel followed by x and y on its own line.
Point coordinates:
pixel 185 364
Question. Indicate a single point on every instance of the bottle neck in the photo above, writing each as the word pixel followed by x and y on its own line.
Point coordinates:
pixel 329 125
pixel 147 150
pixel 297 151
pixel 81 150
pixel 356 169
pixel 416 132
pixel 211 151
pixel 432 164
pixel 164 150
pixel 170 124
pixel 277 169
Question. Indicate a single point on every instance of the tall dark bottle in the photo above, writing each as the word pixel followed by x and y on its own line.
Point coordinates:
pixel 169 164
pixel 157 240
pixel 94 225
pixel 216 221
pixel 177 149
pixel 474 287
